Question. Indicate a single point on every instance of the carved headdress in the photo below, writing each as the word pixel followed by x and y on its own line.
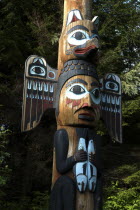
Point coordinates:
pixel 78 48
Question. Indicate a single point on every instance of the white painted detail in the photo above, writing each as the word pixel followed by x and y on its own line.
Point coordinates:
pixel 92 178
pixel 30 84
pixel 95 20
pixel 108 98
pixel 71 14
pixel 33 72
pixel 103 97
pixel 72 95
pixel 72 40
pixel 34 85
pixel 46 87
pixel 40 86
pixel 117 100
pixel 51 88
pixel 78 14
pixel 81 178
pixel 113 99
pixel 41 61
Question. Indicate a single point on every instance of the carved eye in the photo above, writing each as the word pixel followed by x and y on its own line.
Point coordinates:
pixel 95 95
pixel 78 37
pixel 112 86
pixel 37 71
pixel 76 91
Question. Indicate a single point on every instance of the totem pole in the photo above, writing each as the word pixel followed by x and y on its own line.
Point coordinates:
pixel 79 99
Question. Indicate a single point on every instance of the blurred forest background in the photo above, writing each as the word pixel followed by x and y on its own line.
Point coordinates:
pixel 34 27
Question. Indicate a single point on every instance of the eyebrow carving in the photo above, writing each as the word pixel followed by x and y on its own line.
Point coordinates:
pixel 95 84
pixel 77 27
pixel 76 80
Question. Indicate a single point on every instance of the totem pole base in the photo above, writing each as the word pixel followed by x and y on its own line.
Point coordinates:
pixel 84 201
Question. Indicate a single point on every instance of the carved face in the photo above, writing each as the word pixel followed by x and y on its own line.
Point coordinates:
pixel 78 39
pixel 79 102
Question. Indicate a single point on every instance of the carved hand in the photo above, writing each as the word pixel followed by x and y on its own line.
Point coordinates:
pixel 80 156
pixel 92 158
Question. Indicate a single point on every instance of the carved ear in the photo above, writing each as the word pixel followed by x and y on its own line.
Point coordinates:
pixel 95 21
pixel 74 15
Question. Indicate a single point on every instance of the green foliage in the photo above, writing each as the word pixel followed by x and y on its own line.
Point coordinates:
pixel 5 171
pixel 131 81
pixel 37 201
pixel 124 194
pixel 119 32
pixel 33 27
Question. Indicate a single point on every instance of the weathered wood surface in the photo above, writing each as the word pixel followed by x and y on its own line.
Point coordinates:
pixel 77 14
pixel 84 201
pixel 83 5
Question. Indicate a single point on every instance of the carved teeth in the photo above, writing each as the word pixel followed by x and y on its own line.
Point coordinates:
pixel 45 87
pixel 104 98
pixel 117 100
pixel 51 88
pixel 40 86
pixel 108 99
pixel 29 84
pixel 34 85
pixel 113 100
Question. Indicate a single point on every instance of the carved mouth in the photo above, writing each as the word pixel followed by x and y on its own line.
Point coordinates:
pixel 85 116
pixel 84 50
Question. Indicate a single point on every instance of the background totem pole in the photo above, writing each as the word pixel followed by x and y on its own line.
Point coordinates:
pixel 79 98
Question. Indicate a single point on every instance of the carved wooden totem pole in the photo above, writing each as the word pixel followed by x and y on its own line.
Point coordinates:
pixel 79 98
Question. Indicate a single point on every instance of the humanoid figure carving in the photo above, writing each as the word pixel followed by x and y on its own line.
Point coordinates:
pixel 75 144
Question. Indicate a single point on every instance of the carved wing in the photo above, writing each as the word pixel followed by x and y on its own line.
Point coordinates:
pixel 111 105
pixel 40 82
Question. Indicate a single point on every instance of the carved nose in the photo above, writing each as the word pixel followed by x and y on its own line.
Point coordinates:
pixel 85 104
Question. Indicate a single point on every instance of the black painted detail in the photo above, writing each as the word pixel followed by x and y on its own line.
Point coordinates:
pixel 82 132
pixel 78 27
pixel 63 194
pixel 85 117
pixel 38 68
pixel 78 81
pixel 61 144
pixel 91 169
pixel 79 65
pixel 67 73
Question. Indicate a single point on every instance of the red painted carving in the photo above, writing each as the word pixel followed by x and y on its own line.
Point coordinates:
pixel 51 75
pixel 74 18
pixel 76 103
pixel 68 101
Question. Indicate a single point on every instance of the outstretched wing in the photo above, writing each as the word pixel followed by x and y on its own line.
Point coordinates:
pixel 40 82
pixel 111 105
